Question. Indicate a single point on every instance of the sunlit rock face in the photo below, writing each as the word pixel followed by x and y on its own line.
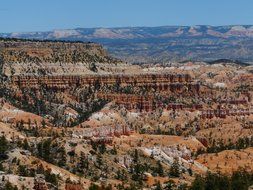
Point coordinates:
pixel 40 58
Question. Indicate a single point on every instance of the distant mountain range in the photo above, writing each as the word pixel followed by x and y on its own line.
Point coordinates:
pixel 162 44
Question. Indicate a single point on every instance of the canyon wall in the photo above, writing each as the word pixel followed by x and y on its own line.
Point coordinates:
pixel 63 82
pixel 33 57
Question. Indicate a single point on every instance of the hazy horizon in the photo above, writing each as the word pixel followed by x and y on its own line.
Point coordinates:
pixel 118 27
pixel 46 15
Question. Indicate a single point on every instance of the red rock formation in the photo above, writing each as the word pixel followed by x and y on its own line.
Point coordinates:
pixel 40 183
pixel 204 141
pixel 233 101
pixel 159 81
pixel 223 113
pixel 141 103
pixel 69 186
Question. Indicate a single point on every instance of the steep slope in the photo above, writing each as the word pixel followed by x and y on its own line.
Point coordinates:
pixel 47 57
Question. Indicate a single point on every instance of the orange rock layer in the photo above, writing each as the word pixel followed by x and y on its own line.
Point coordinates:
pixel 64 82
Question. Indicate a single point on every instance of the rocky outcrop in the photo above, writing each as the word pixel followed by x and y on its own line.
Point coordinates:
pixel 223 113
pixel 100 132
pixel 47 51
pixel 31 56
pixel 63 82
pixel 144 103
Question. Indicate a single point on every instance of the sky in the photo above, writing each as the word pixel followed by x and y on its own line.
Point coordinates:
pixel 46 15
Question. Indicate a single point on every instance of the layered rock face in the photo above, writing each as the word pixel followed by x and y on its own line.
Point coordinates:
pixel 63 82
pixel 145 103
pixel 45 57
pixel 167 83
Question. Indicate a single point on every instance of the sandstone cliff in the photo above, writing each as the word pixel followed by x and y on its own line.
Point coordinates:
pixel 47 57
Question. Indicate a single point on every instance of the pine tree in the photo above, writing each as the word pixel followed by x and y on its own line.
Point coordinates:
pixel 93 187
pixel 175 170
pixel 43 123
pixel 9 186
pixel 136 156
pixel 198 183
pixel 51 178
pixel 22 171
pixel 26 145
pixel 114 150
pixel 102 148
pixel 158 186
pixel 169 185
pixel 160 168
pixel 62 153
pixel 44 150
pixel 99 160
pixel 3 147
